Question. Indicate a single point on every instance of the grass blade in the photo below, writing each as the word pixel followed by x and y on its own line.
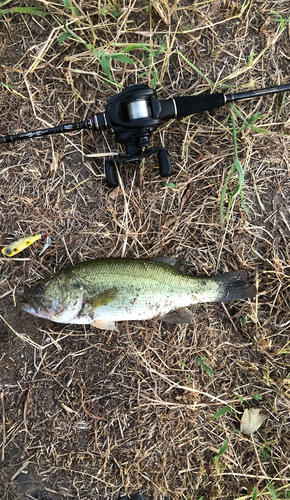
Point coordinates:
pixel 223 192
pixel 255 493
pixel 33 11
pixel 221 412
pixel 200 73
pixel 282 104
pixel 222 450
pixel 122 58
pixel 272 491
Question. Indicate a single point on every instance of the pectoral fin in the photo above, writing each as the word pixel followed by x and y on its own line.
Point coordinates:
pixel 180 316
pixel 105 324
pixel 103 298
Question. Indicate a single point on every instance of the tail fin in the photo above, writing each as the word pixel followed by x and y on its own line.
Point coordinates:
pixel 233 286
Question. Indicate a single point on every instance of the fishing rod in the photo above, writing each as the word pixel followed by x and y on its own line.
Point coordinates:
pixel 135 113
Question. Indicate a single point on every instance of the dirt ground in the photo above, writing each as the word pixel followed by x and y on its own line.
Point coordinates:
pixel 89 414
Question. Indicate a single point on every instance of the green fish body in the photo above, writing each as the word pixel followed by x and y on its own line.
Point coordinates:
pixel 103 291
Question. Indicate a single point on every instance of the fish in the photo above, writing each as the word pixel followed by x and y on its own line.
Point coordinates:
pixel 102 291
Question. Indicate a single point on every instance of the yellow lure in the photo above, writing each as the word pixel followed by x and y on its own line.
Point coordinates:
pixel 18 246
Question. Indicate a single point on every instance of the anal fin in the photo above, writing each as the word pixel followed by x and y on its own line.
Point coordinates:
pixel 105 324
pixel 179 316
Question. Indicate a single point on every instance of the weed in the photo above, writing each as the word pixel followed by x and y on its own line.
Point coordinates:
pixel 206 367
pixel 236 167
pixel 272 491
pixel 221 412
pixel 32 11
pixel 255 493
pixel 103 57
pixel 222 450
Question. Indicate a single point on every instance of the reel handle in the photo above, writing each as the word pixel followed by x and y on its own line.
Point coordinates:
pixel 164 164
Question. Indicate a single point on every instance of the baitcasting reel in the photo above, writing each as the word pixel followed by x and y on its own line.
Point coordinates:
pixel 135 113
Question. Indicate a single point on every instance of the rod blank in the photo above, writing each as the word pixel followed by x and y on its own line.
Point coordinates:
pixel 257 93
pixel 97 122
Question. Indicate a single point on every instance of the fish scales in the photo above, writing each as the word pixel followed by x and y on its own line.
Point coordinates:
pixel 103 291
pixel 145 289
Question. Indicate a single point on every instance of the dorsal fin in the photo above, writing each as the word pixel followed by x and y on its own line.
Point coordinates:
pixel 168 261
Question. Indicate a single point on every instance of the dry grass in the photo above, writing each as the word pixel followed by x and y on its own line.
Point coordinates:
pixel 88 415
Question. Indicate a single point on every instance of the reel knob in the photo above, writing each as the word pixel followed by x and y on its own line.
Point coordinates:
pixel 111 174
pixel 164 163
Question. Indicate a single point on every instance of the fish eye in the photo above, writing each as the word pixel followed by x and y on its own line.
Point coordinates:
pixel 40 288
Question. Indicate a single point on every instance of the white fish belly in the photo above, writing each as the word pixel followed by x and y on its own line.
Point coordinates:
pixel 138 304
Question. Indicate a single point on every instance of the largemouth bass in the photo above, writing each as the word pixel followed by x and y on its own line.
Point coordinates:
pixel 102 291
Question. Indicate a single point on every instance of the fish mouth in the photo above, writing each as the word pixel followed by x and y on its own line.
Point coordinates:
pixel 27 307
pixel 23 305
pixel 33 307
pixel 52 311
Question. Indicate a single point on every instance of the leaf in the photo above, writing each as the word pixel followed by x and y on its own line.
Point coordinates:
pixel 260 130
pixel 97 53
pixel 265 455
pixel 239 168
pixel 272 491
pixel 105 63
pixel 196 69
pixel 117 11
pixel 222 450
pixel 243 203
pixel 5 3
pixel 63 37
pixel 256 116
pixel 33 11
pixel 7 85
pixel 282 104
pixel 122 58
pixel 223 193
pixel 72 34
pixel 252 420
pixel 255 493
pixel 258 397
pixel 221 412
pixel 135 46
pixel 207 368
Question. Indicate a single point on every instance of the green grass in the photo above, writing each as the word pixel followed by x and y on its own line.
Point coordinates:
pixel 32 11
